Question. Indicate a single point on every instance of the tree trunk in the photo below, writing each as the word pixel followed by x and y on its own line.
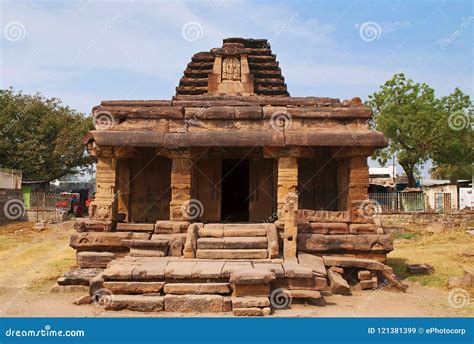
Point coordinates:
pixel 409 171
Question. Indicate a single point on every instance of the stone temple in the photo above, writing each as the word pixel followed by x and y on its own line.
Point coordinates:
pixel 231 192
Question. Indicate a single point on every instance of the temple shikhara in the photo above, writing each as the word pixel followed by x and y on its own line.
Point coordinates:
pixel 232 195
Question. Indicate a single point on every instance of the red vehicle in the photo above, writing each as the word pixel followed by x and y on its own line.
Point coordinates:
pixel 71 203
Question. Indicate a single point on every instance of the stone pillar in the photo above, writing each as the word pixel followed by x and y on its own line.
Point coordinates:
pixel 103 208
pixel 357 196
pixel 124 156
pixel 287 200
pixel 181 177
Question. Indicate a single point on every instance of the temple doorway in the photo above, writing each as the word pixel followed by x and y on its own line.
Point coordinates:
pixel 235 190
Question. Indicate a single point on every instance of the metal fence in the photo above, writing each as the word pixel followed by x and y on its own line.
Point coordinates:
pixel 44 200
pixel 395 202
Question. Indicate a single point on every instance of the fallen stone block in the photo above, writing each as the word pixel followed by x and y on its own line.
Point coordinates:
pixel 351 262
pixel 313 297
pixel 193 303
pixel 315 262
pixel 197 288
pixel 420 269
pixel 337 269
pixel 364 275
pixel 248 312
pixel 83 300
pixel 87 259
pixel 134 287
pixel 338 284
pixel 369 284
pixel 141 303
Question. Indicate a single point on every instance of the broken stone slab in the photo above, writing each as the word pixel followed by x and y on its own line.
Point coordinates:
pixel 72 288
pixel 420 269
pixel 338 284
pixel 134 287
pixel 346 262
pixel 293 270
pixel 169 226
pixel 88 259
pixel 141 303
pixel 364 275
pixel 79 276
pixel 315 283
pixel 230 267
pixel 313 297
pixel 83 300
pixel 103 241
pixel 207 270
pixel 251 290
pixel 194 303
pixel 248 312
pixel 250 301
pixel 197 288
pixel 388 274
pixel 252 276
pixel 315 262
pixel 275 267
pixel 179 270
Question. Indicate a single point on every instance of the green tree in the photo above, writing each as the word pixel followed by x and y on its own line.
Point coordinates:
pixel 40 136
pixel 417 125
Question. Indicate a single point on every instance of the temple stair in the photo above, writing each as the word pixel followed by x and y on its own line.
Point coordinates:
pixel 235 241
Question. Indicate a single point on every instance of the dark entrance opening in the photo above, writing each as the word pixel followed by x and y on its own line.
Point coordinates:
pixel 235 190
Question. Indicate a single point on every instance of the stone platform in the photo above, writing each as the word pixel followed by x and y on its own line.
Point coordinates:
pixel 245 287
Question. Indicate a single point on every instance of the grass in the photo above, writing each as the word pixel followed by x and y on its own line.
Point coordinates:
pixel 443 250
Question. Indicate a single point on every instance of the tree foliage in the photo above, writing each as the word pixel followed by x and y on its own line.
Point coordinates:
pixel 420 127
pixel 40 136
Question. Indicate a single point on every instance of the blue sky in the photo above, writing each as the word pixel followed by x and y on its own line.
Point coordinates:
pixel 86 51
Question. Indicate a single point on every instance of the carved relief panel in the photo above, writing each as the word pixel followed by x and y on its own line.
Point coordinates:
pixel 231 68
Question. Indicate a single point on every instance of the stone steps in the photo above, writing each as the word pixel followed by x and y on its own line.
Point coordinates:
pixel 232 254
pixel 232 243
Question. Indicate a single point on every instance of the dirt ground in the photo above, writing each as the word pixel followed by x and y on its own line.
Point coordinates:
pixel 30 262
